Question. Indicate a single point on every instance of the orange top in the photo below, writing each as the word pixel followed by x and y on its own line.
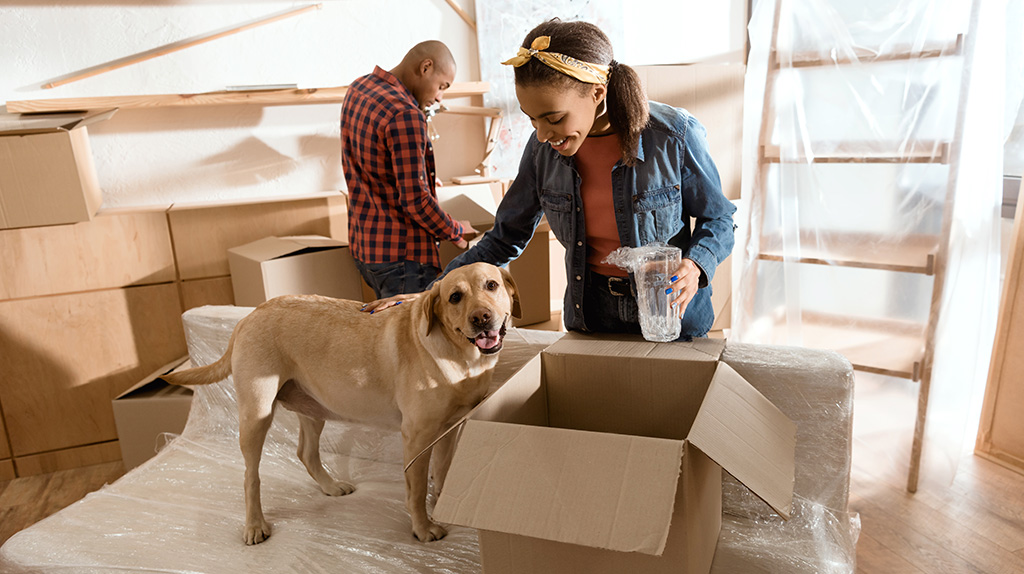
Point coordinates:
pixel 594 161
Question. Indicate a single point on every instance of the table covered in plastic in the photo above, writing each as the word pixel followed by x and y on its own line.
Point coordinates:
pixel 182 511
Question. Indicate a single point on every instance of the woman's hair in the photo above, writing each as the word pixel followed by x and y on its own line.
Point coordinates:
pixel 628 109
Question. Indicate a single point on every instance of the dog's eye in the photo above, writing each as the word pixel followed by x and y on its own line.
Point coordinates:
pixel 492 285
pixel 455 297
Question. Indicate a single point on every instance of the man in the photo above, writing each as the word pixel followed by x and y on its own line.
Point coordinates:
pixel 395 221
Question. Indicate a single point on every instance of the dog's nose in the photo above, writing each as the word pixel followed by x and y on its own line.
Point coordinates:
pixel 481 317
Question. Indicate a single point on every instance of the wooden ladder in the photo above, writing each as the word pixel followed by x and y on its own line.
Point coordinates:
pixel 890 347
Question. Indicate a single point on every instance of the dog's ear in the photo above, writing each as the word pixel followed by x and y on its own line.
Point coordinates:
pixel 513 292
pixel 429 301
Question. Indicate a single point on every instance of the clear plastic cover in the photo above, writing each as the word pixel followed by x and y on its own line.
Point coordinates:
pixel 652 267
pixel 872 184
pixel 182 511
pixel 815 390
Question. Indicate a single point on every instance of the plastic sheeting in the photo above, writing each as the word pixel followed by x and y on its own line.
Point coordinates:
pixel 182 511
pixel 884 191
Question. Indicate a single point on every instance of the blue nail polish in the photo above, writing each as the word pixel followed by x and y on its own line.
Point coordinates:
pixel 674 278
pixel 399 303
pixel 667 291
pixel 371 312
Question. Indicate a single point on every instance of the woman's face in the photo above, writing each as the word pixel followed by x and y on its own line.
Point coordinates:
pixel 564 118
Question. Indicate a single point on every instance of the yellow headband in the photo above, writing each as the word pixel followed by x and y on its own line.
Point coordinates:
pixel 582 71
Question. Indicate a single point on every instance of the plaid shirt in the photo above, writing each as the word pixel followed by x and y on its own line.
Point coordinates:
pixel 389 167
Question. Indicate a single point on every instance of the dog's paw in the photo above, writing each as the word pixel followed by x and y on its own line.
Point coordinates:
pixel 430 533
pixel 338 488
pixel 256 533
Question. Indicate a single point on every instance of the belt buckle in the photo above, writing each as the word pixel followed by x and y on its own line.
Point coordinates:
pixel 618 286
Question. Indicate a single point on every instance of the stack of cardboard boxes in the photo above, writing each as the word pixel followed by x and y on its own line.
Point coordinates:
pixel 88 309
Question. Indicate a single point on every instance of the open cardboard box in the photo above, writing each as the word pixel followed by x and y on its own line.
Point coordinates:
pixel 47 175
pixel 296 265
pixel 604 455
pixel 478 204
pixel 148 409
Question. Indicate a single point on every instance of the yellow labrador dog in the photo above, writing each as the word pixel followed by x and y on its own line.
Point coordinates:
pixel 418 367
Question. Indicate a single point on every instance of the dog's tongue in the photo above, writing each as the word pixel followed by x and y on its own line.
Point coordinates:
pixel 488 340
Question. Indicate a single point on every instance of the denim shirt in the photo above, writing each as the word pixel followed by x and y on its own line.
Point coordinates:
pixel 675 179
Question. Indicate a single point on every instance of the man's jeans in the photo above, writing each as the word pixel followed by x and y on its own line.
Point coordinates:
pixel 397 277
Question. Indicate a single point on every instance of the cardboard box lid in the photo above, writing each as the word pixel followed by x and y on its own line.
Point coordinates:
pixel 613 345
pixel 272 247
pixel 152 385
pixel 473 203
pixel 47 123
pixel 595 489
pixel 748 436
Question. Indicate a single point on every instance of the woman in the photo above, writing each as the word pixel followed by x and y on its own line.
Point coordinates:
pixel 608 168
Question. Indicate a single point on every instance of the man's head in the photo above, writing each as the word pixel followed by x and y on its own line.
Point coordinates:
pixel 427 70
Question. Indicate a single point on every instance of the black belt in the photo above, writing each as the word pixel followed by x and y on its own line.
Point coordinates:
pixel 618 286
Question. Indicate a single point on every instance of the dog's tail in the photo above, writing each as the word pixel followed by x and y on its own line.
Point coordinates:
pixel 205 375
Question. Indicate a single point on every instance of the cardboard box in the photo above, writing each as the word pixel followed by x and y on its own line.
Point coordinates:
pixel 47 176
pixel 305 264
pixel 713 93
pixel 478 204
pixel 604 455
pixel 148 409
pixel 202 233
pixel 73 353
pixel 112 250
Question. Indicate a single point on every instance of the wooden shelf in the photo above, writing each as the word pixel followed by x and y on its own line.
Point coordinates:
pixel 933 152
pixel 284 97
pixel 911 254
pixel 885 347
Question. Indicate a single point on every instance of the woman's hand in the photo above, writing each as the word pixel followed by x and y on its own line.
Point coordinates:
pixel 381 304
pixel 684 285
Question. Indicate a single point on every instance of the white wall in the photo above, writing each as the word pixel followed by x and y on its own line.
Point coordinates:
pixel 163 155
pixel 185 154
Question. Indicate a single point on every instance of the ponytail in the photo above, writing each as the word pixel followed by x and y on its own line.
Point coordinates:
pixel 628 109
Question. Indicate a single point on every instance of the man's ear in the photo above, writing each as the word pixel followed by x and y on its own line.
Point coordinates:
pixel 425 66
pixel 513 293
pixel 429 300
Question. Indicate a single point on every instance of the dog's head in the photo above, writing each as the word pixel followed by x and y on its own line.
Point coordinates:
pixel 473 303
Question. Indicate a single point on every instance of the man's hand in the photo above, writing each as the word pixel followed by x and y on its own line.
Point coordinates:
pixel 468 234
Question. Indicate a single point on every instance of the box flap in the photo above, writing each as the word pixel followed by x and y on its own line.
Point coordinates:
pixel 274 247
pixel 316 241
pixel 749 437
pixel 474 203
pixel 47 123
pixel 595 489
pixel 618 345
pixel 177 364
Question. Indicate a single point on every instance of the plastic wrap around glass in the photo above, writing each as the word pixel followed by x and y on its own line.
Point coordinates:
pixel 652 266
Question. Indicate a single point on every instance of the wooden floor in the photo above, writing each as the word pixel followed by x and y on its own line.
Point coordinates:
pixel 25 501
pixel 974 525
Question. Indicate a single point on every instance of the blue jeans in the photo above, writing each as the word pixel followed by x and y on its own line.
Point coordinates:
pixel 397 277
pixel 612 308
